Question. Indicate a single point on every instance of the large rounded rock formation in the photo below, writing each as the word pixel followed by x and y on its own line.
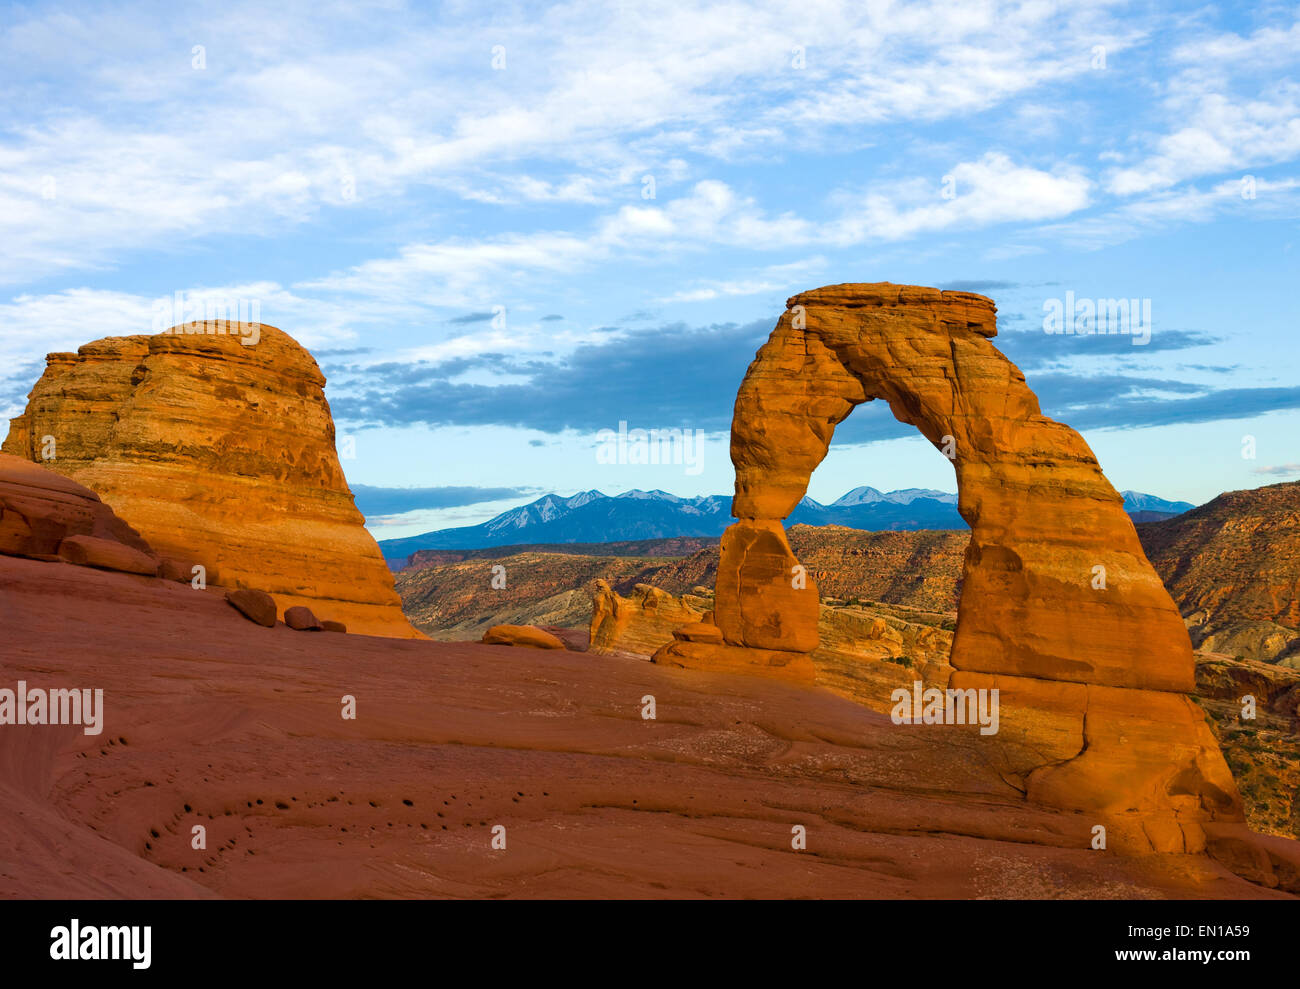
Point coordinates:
pixel 1060 610
pixel 218 453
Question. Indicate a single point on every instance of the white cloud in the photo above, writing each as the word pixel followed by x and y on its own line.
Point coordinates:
pixel 303 107
pixel 991 190
pixel 1265 47
pixel 1271 198
pixel 1220 135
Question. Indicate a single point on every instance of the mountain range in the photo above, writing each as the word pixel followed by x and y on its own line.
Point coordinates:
pixel 593 517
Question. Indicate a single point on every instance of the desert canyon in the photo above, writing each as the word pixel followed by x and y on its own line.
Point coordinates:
pixel 768 660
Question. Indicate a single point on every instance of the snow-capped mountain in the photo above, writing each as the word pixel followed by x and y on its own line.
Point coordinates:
pixel 904 496
pixel 595 517
pixel 1136 501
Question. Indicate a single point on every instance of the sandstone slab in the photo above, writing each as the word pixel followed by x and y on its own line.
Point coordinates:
pixel 108 554
pixel 528 636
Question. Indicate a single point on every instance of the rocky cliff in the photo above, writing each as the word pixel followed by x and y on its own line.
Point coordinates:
pixel 220 454
pixel 1233 566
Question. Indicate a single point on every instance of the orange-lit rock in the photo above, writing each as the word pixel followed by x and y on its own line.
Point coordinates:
pixel 1059 607
pixel 529 636
pixel 640 623
pixel 220 454
pixel 765 599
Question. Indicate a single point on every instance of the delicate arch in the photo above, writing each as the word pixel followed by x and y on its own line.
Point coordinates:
pixel 1092 665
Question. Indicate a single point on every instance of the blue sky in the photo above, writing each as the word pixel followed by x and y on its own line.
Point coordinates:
pixel 504 228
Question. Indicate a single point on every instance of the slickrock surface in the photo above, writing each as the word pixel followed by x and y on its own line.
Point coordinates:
pixel 1233 565
pixel 450 740
pixel 219 454
pixel 1092 678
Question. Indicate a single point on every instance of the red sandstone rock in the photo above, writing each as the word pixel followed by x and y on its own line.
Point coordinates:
pixel 39 509
pixel 332 626
pixel 300 619
pixel 764 598
pixel 638 624
pixel 220 453
pixel 597 801
pixel 92 551
pixel 699 632
pixel 521 635
pixel 257 606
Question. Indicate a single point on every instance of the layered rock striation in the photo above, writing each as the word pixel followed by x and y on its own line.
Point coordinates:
pixel 219 453
pixel 643 621
pixel 1060 610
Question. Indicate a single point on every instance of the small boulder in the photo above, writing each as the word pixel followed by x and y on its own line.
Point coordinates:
pixel 181 571
pixel 699 632
pixel 330 626
pixel 521 635
pixel 300 617
pixel 256 606
pixel 92 551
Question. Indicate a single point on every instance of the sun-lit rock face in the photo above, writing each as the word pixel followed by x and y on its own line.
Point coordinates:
pixel 641 622
pixel 1060 609
pixel 218 447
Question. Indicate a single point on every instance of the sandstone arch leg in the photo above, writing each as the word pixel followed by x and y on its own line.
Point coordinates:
pixel 1060 611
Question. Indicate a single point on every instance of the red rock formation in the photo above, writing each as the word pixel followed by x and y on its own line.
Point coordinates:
pixel 46 516
pixel 1060 610
pixel 220 454
pixel 640 623
pixel 528 636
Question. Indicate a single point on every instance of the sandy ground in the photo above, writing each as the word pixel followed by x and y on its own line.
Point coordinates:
pixel 213 721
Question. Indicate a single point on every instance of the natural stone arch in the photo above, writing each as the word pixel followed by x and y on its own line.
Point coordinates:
pixel 1092 679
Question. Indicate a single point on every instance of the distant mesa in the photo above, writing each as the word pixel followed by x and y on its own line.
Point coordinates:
pixel 219 454
pixel 1093 676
